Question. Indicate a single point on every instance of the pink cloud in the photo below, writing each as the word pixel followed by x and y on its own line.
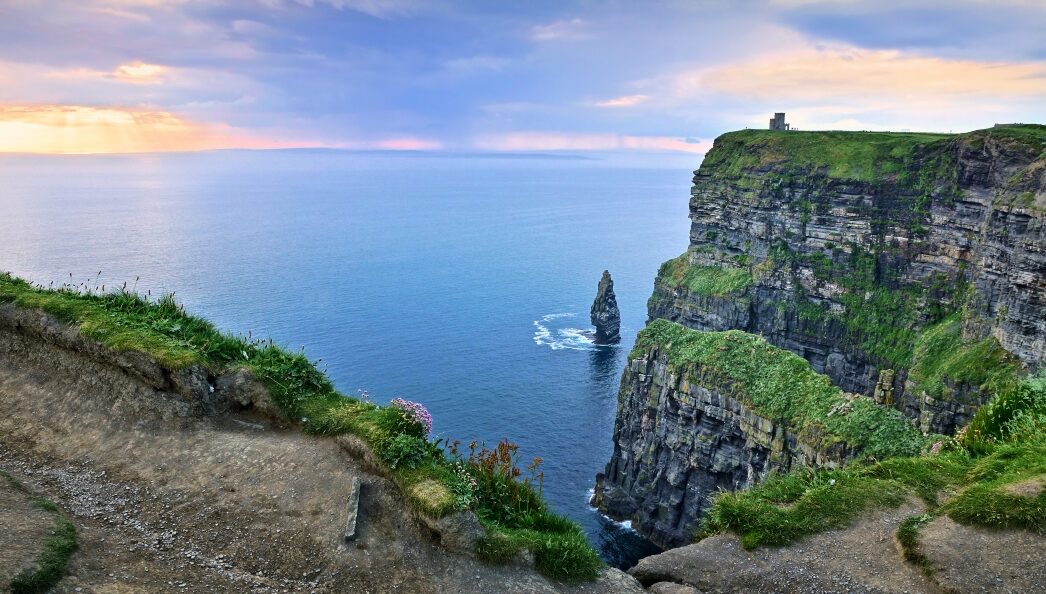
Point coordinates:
pixel 625 101
pixel 87 129
pixel 406 144
pixel 559 141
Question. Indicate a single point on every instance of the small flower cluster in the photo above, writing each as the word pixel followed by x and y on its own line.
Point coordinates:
pixel 464 486
pixel 415 411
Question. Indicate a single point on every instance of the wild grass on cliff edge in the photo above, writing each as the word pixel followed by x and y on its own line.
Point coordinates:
pixel 973 478
pixel 433 479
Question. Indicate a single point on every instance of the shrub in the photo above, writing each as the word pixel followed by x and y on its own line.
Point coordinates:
pixel 463 485
pixel 1017 413
pixel 405 450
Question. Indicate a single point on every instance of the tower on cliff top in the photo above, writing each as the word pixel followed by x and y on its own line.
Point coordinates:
pixel 778 121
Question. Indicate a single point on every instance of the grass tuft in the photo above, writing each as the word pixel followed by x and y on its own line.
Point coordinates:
pixel 908 537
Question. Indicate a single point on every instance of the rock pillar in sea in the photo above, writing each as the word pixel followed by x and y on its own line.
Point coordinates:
pixel 605 315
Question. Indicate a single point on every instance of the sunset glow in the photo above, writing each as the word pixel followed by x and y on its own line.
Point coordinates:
pixel 459 76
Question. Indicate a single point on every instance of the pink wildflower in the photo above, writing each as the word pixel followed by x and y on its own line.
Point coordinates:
pixel 416 412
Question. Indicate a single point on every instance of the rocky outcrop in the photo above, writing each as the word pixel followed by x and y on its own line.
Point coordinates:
pixel 847 260
pixel 606 317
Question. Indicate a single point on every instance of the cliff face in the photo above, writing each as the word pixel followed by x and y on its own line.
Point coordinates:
pixel 909 269
pixel 855 250
pixel 680 438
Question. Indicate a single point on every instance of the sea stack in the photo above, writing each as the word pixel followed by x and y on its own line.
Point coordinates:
pixel 605 315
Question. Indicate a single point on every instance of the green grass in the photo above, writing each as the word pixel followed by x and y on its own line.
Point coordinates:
pixel 779 384
pixel 943 360
pixel 860 156
pixel 717 281
pixel 560 548
pixel 162 329
pixel 58 548
pixel 968 481
pixel 908 537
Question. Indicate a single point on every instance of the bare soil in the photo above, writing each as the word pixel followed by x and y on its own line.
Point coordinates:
pixel 971 559
pixel 863 558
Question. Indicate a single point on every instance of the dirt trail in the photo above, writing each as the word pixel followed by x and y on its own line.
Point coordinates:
pixel 232 504
pixel 863 558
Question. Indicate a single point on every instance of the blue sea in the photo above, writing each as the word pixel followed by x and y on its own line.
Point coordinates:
pixel 460 281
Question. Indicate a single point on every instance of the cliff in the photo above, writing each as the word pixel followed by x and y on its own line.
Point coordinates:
pixel 911 263
pixel 906 271
pixel 701 412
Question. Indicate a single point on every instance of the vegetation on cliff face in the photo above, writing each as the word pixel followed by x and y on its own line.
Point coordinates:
pixel 992 474
pixel 942 359
pixel 704 280
pixel 780 385
pixel 58 548
pixel 435 480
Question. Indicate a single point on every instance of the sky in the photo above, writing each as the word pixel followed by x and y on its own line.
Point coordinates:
pixel 82 76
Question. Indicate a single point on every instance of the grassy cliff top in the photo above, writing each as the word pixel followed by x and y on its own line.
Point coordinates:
pixel 779 384
pixel 435 481
pixel 859 156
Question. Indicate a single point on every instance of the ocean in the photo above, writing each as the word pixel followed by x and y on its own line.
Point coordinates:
pixel 459 281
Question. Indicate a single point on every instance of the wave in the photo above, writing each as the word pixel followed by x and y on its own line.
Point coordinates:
pixel 578 339
pixel 624 524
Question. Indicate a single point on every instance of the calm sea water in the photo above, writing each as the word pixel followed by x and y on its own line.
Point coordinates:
pixel 460 282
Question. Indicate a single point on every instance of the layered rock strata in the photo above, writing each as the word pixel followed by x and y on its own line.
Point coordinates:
pixel 847 260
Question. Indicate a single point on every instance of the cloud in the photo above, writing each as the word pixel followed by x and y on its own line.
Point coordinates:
pixel 624 101
pixel 565 29
pixel 404 144
pixel 249 27
pixel 565 141
pixel 846 72
pixel 139 73
pixel 86 129
pixel 375 8
pixel 136 72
